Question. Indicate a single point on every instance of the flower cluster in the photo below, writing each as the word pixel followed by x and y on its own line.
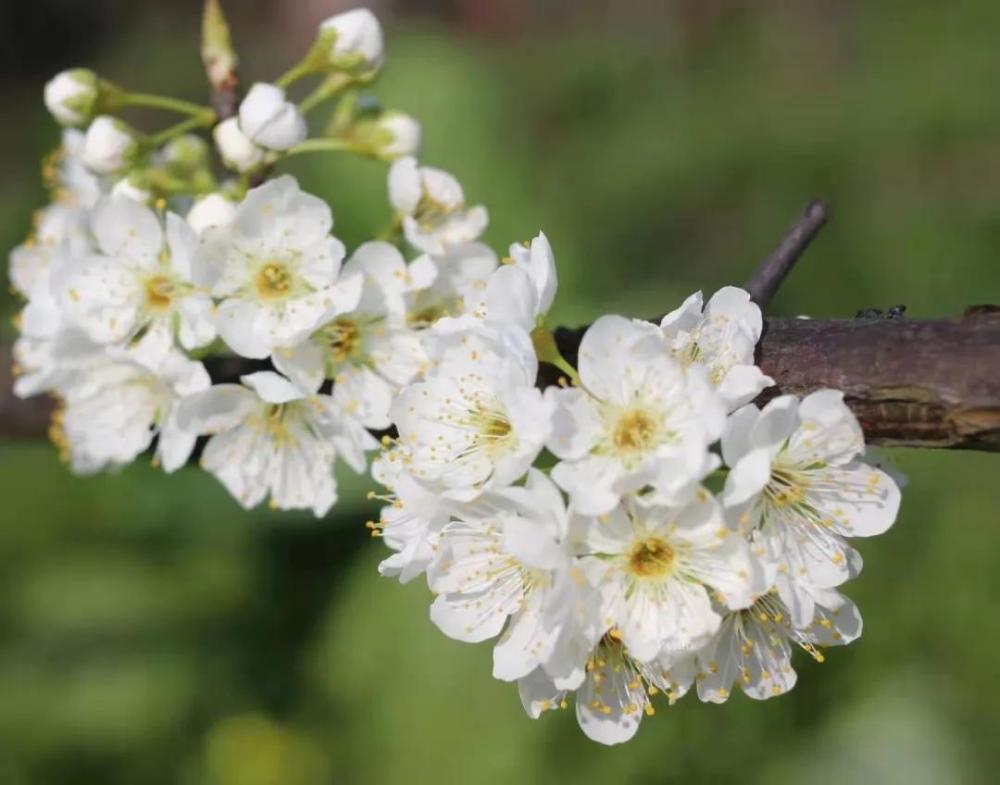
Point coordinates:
pixel 641 528
pixel 154 268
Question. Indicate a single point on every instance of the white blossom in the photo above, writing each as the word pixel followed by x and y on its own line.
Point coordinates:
pixel 614 695
pixel 276 269
pixel 112 410
pixel 753 647
pixel 59 229
pixel 270 121
pixel 721 340
pixel 410 522
pixel 522 291
pixel 368 349
pixel 110 145
pixel 432 203
pixel 138 280
pixel 477 421
pixel 71 96
pixel 637 419
pixel 798 480
pixel 74 184
pixel 357 34
pixel 658 568
pixel 451 284
pixel 503 565
pixel 271 437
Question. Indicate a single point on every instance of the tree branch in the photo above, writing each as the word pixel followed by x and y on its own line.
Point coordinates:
pixel 911 383
pixel 764 283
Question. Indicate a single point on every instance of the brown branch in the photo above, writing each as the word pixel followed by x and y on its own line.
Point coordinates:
pixel 911 383
pixel 764 283
pixel 916 383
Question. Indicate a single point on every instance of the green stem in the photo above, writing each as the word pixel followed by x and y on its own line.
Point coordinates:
pixel 163 102
pixel 547 351
pixel 206 118
pixel 293 75
pixel 328 88
pixel 391 232
pixel 323 146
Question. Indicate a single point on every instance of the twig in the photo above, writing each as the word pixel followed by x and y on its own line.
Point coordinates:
pixel 220 61
pixel 764 283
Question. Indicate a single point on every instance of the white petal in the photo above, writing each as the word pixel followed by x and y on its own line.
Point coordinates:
pixel 747 478
pixel 272 387
pixel 219 408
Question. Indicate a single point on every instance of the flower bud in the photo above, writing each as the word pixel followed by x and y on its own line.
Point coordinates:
pixel 133 188
pixel 401 133
pixel 211 210
pixel 187 153
pixel 356 37
pixel 109 146
pixel 267 119
pixel 71 96
pixel 237 151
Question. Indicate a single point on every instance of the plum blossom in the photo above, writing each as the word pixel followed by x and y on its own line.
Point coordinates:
pixel 111 411
pixel 503 565
pixel 753 647
pixel 658 568
pixel 476 421
pixel 270 437
pixel 721 340
pixel 368 349
pixel 797 478
pixel 276 269
pixel 137 282
pixel 432 205
pixel 637 419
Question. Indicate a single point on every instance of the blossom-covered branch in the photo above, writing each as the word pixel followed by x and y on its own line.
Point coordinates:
pixel 644 524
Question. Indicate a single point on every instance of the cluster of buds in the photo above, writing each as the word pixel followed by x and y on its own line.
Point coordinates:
pixel 643 528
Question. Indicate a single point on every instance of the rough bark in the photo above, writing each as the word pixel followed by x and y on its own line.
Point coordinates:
pixel 911 383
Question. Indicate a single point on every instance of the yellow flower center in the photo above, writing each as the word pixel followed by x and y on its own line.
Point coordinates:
pixel 343 339
pixel 160 291
pixel 786 488
pixel 651 558
pixel 635 431
pixel 274 281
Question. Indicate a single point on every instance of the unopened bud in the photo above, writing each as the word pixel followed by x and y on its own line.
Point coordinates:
pixel 211 210
pixel 270 121
pixel 402 133
pixel 109 146
pixel 356 41
pixel 237 150
pixel 133 188
pixel 72 96
pixel 186 153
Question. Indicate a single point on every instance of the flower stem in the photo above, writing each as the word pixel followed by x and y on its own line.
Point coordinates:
pixel 391 232
pixel 323 146
pixel 163 102
pixel 293 75
pixel 206 118
pixel 328 88
pixel 548 352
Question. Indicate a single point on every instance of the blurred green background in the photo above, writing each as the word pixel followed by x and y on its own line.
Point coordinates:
pixel 151 632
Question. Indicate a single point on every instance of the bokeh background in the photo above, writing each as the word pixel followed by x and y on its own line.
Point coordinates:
pixel 151 632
